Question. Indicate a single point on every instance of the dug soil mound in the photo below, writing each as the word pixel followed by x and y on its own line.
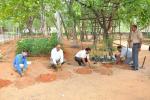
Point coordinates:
pixel 63 74
pixel 24 82
pixel 46 77
pixel 107 65
pixel 83 70
pixel 103 71
pixel 4 83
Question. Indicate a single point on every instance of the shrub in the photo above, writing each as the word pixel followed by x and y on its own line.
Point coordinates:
pixel 37 46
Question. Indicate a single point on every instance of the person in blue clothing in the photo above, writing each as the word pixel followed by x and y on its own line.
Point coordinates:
pixel 20 62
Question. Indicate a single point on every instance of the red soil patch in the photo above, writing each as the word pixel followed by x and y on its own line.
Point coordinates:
pixel 63 74
pixel 84 70
pixel 104 71
pixel 24 82
pixel 107 65
pixel 46 77
pixel 4 83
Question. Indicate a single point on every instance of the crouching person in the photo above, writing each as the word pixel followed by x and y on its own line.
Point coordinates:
pixel 124 55
pixel 57 57
pixel 20 62
pixel 82 57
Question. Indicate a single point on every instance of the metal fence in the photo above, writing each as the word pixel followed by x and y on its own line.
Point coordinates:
pixel 7 37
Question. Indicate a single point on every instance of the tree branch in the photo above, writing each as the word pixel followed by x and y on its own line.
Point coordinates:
pixel 114 9
pixel 93 10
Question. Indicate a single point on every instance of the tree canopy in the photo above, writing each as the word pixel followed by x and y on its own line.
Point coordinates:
pixel 33 12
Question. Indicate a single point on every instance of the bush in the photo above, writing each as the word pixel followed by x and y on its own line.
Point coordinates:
pixel 37 46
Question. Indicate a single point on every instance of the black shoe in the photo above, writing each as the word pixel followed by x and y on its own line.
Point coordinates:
pixel 136 69
pixel 131 65
pixel 63 63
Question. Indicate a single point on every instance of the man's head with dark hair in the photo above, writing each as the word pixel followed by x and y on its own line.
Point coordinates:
pixel 58 47
pixel 25 53
pixel 88 50
pixel 119 48
pixel 134 28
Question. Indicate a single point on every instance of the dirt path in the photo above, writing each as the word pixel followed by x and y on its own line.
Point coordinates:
pixel 103 82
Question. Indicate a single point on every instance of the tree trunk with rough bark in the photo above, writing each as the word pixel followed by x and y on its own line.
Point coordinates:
pixel 29 24
pixel 72 13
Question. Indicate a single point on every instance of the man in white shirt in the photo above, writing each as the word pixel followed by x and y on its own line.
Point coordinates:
pixel 57 56
pixel 82 57
pixel 125 55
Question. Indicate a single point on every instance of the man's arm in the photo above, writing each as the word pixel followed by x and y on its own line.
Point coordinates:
pixel 130 39
pixel 53 56
pixel 25 63
pixel 140 36
pixel 89 62
pixel 54 61
pixel 84 61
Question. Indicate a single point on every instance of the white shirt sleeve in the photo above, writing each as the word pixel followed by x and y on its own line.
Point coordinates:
pixel 53 56
pixel 88 57
pixel 131 37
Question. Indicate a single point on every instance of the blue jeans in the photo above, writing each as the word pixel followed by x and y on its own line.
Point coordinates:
pixel 135 53
pixel 19 68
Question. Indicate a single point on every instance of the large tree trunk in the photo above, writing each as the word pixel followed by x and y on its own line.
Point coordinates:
pixel 72 13
pixel 74 33
pixel 1 30
pixel 130 44
pixel 65 28
pixel 43 27
pixel 30 23
pixel 59 27
pixel 82 31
